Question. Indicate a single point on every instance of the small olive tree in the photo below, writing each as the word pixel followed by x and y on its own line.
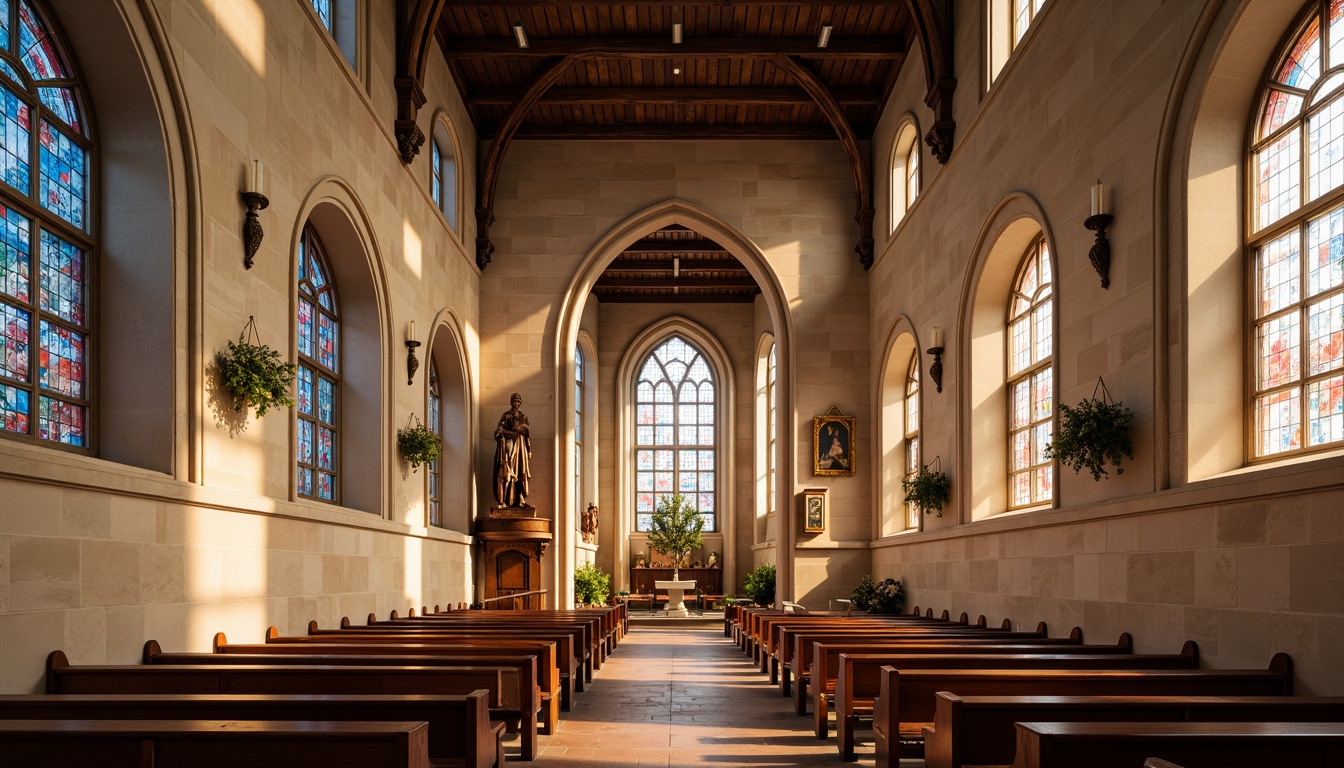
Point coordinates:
pixel 676 530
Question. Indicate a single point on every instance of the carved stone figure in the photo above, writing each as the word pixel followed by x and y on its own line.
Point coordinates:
pixel 588 525
pixel 513 454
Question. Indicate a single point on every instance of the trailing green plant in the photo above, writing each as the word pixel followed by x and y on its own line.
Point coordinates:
pixel 929 488
pixel 255 374
pixel 760 585
pixel 591 584
pixel 886 596
pixel 675 529
pixel 1092 435
pixel 418 444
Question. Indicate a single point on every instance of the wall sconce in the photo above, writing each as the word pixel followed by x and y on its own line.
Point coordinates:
pixel 255 201
pixel 412 364
pixel 936 370
pixel 1100 253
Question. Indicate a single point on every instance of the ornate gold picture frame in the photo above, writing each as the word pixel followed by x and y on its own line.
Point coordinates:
pixel 814 510
pixel 833 442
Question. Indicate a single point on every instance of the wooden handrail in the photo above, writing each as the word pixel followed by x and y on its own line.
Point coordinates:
pixel 515 595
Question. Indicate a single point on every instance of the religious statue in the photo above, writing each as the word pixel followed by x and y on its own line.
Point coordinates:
pixel 588 526
pixel 513 454
pixel 713 560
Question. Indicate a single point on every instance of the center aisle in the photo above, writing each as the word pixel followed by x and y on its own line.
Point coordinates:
pixel 676 697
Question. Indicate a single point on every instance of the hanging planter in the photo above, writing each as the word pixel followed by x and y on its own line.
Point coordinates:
pixel 929 488
pixel 255 374
pixel 1093 434
pixel 418 444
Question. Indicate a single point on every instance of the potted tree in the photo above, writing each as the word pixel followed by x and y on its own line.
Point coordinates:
pixel 1093 434
pixel 591 585
pixel 760 585
pixel 418 444
pixel 886 596
pixel 675 530
pixel 255 374
pixel 929 488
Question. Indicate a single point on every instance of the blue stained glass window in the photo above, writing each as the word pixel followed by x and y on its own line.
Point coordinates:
pixel 14 255
pixel 63 173
pixel 14 140
pixel 323 8
pixel 16 325
pixel 61 102
pixel 14 409
pixel 305 390
pixel 317 452
pixel 305 328
pixel 9 71
pixel 326 400
pixel 326 341
pixel 62 358
pixel 62 278
pixel 436 173
pixel 4 27
pixel 36 47
pixel 60 421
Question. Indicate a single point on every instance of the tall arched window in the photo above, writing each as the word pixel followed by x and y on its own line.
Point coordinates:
pixel 340 18
pixel 443 170
pixel 45 324
pixel 319 379
pixel 434 495
pixel 579 505
pixel 904 171
pixel 1031 380
pixel 675 431
pixel 772 432
pixel 1008 22
pixel 1024 12
pixel 912 457
pixel 1297 243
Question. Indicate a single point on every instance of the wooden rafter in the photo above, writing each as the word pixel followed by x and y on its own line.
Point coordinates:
pixel 494 159
pixel 688 132
pixel 421 18
pixel 933 30
pixel 863 193
pixel 662 48
pixel 725 95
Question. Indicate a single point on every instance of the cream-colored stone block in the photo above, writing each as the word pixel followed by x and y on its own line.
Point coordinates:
pixel 1243 641
pixel 1289 521
pixel 126 634
pixel 1216 577
pixel 1087 577
pixel 170 624
pixel 43 573
pixel 86 636
pixel 1317 572
pixel 1183 529
pixel 204 573
pixel 1052 576
pixel 1201 626
pixel 29 637
pixel 1326 522
pixel 284 573
pixel 245 574
pixel 1162 577
pixel 85 514
pixel 162 574
pixel 134 519
pixel 1113 577
pixel 1262 578
pixel 31 509
pixel 109 573
pixel 1240 524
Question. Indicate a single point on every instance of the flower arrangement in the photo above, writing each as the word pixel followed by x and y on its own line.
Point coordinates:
pixel 255 374
pixel 418 444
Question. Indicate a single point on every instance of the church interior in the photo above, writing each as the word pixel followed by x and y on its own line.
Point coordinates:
pixel 780 257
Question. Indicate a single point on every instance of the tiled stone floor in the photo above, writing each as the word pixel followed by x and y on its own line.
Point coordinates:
pixel 681 697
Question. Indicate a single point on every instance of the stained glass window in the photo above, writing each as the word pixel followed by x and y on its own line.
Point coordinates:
pixel 675 432
pixel 435 419
pixel 45 247
pixel 323 9
pixel 912 436
pixel 1297 264
pixel 1031 380
pixel 436 174
pixel 319 374
pixel 579 506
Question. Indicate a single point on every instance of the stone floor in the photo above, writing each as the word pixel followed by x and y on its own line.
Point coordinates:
pixel 683 696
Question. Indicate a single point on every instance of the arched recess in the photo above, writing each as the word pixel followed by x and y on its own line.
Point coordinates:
pixel 1210 178
pixel 765 507
pixel 586 472
pixel 980 489
pixel 344 228
pixel 725 387
pixel 444 135
pixel 568 320
pixel 448 353
pixel 889 515
pixel 899 171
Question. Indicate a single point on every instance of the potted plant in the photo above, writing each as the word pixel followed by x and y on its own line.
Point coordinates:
pixel 887 596
pixel 760 585
pixel 255 374
pixel 929 488
pixel 675 530
pixel 1093 434
pixel 591 585
pixel 418 444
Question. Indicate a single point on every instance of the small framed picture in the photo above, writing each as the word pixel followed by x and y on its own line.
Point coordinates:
pixel 814 510
pixel 833 444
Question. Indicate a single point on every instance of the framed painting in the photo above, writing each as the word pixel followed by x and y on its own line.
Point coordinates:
pixel 814 510
pixel 833 444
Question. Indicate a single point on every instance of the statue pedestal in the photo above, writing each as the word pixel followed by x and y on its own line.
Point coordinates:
pixel 513 541
pixel 676 595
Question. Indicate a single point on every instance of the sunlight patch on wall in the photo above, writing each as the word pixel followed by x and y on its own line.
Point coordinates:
pixel 245 25
pixel 412 248
pixel 414 570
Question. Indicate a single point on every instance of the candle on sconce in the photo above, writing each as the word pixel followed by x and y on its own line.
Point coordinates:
pixel 410 332
pixel 256 177
pixel 1098 199
pixel 937 336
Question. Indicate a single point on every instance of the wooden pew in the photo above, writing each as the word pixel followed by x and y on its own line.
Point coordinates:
pixel 909 698
pixel 978 730
pixel 593 628
pixel 212 743
pixel 513 698
pixel 1194 745
pixel 526 664
pixel 460 729
pixel 857 674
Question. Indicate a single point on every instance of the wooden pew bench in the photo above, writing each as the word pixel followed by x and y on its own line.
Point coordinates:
pixel 213 743
pixel 594 628
pixel 460 729
pixel 512 697
pixel 906 701
pixel 978 730
pixel 1194 745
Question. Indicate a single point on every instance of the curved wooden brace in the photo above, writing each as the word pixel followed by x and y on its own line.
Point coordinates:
pixel 933 29
pixel 863 193
pixel 494 159
pixel 422 17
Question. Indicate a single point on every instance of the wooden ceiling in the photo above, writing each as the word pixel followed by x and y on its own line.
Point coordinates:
pixel 626 78
pixel 675 264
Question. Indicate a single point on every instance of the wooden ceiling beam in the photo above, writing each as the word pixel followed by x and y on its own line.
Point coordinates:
pixel 707 96
pixel 645 132
pixel 685 297
pixel 670 283
pixel 933 31
pixel 661 4
pixel 664 48
pixel 417 21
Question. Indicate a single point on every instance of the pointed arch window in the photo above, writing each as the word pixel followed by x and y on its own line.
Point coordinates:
pixel 675 431
pixel 46 251
pixel 1296 262
pixel 912 436
pixel 1031 380
pixel 319 378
